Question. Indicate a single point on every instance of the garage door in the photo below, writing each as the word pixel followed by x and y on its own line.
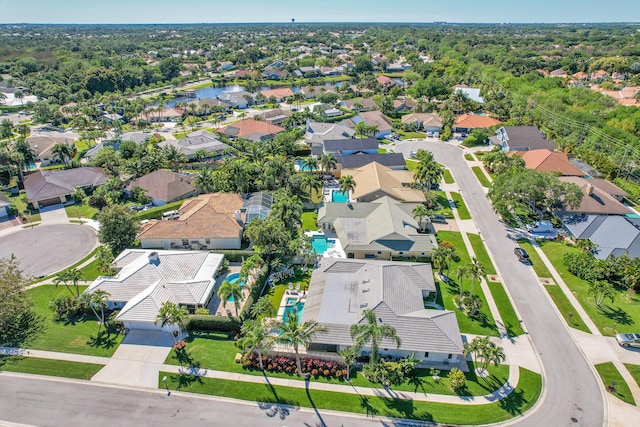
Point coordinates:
pixel 49 202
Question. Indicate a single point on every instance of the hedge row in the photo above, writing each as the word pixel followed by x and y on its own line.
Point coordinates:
pixel 255 292
pixel 212 323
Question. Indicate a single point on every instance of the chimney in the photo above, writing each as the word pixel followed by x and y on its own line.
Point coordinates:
pixel 239 216
pixel 589 189
pixel 154 258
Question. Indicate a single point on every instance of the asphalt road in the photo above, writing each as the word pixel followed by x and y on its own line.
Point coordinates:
pixel 573 395
pixel 51 402
pixel 45 249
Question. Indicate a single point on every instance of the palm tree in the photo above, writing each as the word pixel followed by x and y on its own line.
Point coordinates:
pixel 309 164
pixel 104 259
pixel 372 333
pixel 492 354
pixel 63 277
pixel 173 316
pixel 98 299
pixel 349 355
pixel 262 308
pixel 600 290
pixel 420 213
pixel 346 184
pixel 228 291
pixel 328 162
pixel 204 181
pixel 439 258
pixel 310 183
pixel 476 347
pixel 294 333
pixel 476 271
pixel 461 273
pixel 255 339
pixel 62 152
pixel 173 157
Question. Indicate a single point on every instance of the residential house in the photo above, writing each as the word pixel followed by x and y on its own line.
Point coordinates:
pixel 429 122
pixel 207 106
pixel 242 74
pixel 137 137
pixel 51 187
pixel 401 106
pixel 558 73
pixel 358 105
pixel 198 141
pixel 225 65
pixel 374 181
pixel 345 146
pixel 465 123
pixel 271 73
pixel 166 114
pixel 43 144
pixel 275 116
pixel 618 77
pixel 472 93
pixel 381 229
pixel 549 161
pixel 597 198
pixel 308 72
pixel 5 205
pixel 164 186
pixel 580 76
pixel 395 161
pixel 279 94
pixel 318 132
pixel 238 99
pixel 613 235
pixel 598 76
pixel 386 82
pixel 371 118
pixel 522 138
pixel 625 97
pixel 146 279
pixel 251 129
pixel 340 290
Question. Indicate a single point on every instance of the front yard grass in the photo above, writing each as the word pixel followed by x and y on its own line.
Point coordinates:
pixel 411 135
pixel 81 210
pixel 50 367
pixel 519 401
pixel 536 262
pixel 91 271
pixel 566 308
pixel 442 203
pixel 634 370
pixel 481 253
pixel 80 336
pixel 309 221
pixel 448 178
pixel 614 383
pixel 463 212
pixel 484 181
pixel 483 323
pixel 622 314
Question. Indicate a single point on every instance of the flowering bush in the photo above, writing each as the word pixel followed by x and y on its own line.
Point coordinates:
pixel 179 345
pixel 315 367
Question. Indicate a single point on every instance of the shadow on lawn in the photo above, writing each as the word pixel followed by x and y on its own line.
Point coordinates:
pixel 405 409
pixel 514 402
pixel 616 314
pixel 277 405
pixel 104 339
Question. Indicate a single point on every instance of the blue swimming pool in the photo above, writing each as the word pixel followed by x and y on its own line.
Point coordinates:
pixel 339 197
pixel 291 306
pixel 321 244
pixel 302 166
pixel 233 278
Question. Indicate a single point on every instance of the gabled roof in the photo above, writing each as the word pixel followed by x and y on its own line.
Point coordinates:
pixel 279 93
pixel 145 281
pixel 340 290
pixel 376 118
pixel 350 144
pixel 318 132
pixel 367 103
pixel 208 216
pixel 524 138
pixel 614 235
pixel 548 161
pixel 251 127
pixel 164 185
pixel 196 141
pixel 376 177
pixel 595 200
pixel 427 119
pixel 471 121
pixel 43 185
pixel 358 160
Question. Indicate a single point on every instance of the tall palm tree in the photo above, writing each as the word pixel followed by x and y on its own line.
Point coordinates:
pixel 439 258
pixel 262 308
pixel 310 183
pixel 62 152
pixel 173 157
pixel 493 354
pixel 476 271
pixel 63 277
pixel 600 290
pixel 309 164
pixel 346 184
pixel 173 316
pixel 228 291
pixel 461 273
pixel 255 339
pixel 104 259
pixel 372 333
pixel 420 213
pixel 294 333
pixel 204 181
pixel 95 300
pixel 328 162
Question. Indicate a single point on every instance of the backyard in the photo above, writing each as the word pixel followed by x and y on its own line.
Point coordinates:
pixel 78 336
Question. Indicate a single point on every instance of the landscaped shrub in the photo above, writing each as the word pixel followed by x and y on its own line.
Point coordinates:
pixel 234 255
pixel 316 367
pixel 212 323
pixel 255 291
pixel 66 307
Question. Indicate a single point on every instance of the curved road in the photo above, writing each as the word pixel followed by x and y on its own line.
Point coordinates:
pixel 572 394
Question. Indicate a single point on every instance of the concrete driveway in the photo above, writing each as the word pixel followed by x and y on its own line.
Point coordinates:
pixel 137 360
pixel 46 249
pixel 54 215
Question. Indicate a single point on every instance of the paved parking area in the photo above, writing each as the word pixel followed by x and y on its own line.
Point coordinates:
pixel 45 249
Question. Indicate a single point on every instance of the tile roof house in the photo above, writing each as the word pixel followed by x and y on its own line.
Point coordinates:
pixel 200 140
pixel 371 118
pixel 395 161
pixel 613 235
pixel 345 146
pixel 167 114
pixel 318 132
pixel 429 122
pixel 549 161
pixel 280 93
pixel 146 279
pixel 522 138
pixel 374 181
pixel 211 221
pixel 238 99
pixel 164 186
pixel 363 104
pixel 251 129
pixel 42 145
pixel 340 290
pixel 50 187
pixel 558 73
pixel 597 199
pixel 381 229
pixel 386 81
pixel 275 116
pixel 465 123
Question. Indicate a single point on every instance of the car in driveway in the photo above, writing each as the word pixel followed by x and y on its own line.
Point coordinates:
pixel 438 218
pixel 522 255
pixel 628 340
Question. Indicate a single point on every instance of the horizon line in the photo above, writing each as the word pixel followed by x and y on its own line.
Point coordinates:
pixel 435 22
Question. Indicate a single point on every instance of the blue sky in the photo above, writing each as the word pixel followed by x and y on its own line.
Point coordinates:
pixel 217 11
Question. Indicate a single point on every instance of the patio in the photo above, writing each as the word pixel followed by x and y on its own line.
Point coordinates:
pixel 216 306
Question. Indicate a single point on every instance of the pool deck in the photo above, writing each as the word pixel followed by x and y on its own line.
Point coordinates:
pixel 299 294
pixel 215 306
pixel 337 251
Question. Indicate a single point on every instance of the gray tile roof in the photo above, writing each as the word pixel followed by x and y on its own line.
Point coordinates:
pixel 43 185
pixel 340 290
pixel 349 144
pixel 358 160
pixel 196 141
pixel 613 235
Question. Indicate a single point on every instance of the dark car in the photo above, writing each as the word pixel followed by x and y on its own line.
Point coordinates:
pixel 522 255
pixel 628 340
pixel 438 218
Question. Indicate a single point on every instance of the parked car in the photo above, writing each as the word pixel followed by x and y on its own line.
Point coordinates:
pixel 522 255
pixel 438 218
pixel 436 134
pixel 430 134
pixel 628 340
pixel 412 154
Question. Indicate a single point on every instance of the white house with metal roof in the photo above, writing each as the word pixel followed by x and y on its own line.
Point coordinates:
pixel 146 279
pixel 340 290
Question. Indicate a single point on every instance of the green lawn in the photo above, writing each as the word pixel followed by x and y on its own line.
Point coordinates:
pixel 484 181
pixel 81 211
pixel 309 221
pixel 90 272
pixel 634 370
pixel 518 402
pixel 609 374
pixel 442 203
pixel 446 175
pixel 411 135
pixel 68 337
pixel 481 253
pixel 536 262
pixel 31 215
pixel 463 212
pixel 56 368
pixel 622 315
pixel 469 157
pixel 275 294
pixel 566 308
pixel 483 323
pixel 411 164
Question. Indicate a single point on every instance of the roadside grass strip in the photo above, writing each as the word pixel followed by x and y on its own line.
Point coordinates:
pixel 463 212
pixel 509 317
pixel 481 253
pixel 51 367
pixel 469 157
pixel 634 370
pixel 566 308
pixel 536 262
pixel 614 383
pixel 484 181
pixel 448 178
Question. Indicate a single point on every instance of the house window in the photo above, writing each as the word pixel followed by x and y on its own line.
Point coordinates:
pixel 401 253
pixel 449 356
pixel 207 241
pixel 426 354
pixel 379 252
pixel 185 242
